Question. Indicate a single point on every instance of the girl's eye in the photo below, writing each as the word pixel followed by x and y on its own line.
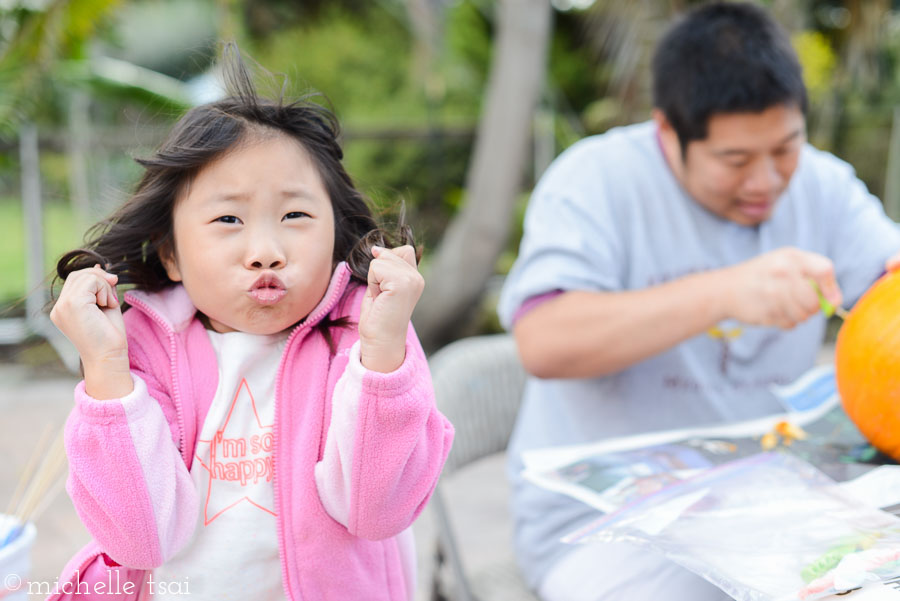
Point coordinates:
pixel 228 219
pixel 296 215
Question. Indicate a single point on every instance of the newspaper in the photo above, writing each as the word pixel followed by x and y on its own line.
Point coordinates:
pixel 615 473
pixel 612 473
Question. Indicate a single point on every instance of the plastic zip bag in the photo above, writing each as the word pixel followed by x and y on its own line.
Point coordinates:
pixel 769 527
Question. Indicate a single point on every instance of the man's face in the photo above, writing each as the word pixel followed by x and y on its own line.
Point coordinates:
pixel 745 163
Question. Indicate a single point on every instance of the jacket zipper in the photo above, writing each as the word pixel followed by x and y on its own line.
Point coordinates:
pixel 279 385
pixel 173 372
pixel 339 291
pixel 279 522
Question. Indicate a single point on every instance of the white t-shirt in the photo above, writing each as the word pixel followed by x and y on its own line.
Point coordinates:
pixel 608 215
pixel 234 551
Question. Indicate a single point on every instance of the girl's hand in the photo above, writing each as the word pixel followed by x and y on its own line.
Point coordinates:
pixel 395 286
pixel 88 313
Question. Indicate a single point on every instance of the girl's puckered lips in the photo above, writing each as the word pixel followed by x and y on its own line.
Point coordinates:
pixel 268 289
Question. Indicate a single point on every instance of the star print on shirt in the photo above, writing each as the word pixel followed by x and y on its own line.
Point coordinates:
pixel 237 464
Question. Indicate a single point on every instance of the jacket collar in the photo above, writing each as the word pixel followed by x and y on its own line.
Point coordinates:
pixel 173 309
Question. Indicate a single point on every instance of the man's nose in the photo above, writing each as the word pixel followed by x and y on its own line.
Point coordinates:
pixel 765 177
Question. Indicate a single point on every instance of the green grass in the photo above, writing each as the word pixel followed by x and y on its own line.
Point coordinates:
pixel 61 234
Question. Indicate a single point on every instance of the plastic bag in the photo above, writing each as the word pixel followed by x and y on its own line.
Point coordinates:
pixel 769 527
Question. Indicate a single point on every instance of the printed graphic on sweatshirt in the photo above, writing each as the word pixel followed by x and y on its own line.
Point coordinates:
pixel 239 459
pixel 724 334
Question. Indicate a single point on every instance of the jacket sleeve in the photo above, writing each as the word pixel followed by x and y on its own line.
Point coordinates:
pixel 385 447
pixel 127 479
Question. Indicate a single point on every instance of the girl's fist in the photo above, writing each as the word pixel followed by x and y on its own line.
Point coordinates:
pixel 394 288
pixel 88 313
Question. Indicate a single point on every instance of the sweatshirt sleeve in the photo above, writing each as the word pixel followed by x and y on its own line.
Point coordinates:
pixel 127 479
pixel 385 447
pixel 861 236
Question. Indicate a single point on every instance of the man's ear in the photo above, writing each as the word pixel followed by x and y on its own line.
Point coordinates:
pixel 668 139
pixel 667 133
pixel 169 260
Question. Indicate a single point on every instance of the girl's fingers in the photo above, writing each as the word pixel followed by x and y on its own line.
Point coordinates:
pixel 386 269
pixel 405 253
pixel 101 295
pixel 394 271
pixel 373 290
pixel 102 290
pixel 112 299
pixel 110 277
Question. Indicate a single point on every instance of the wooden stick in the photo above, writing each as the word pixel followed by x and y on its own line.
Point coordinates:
pixel 48 498
pixel 28 471
pixel 40 486
pixel 46 474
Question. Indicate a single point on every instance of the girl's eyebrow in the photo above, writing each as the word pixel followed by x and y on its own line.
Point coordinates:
pixel 299 193
pixel 288 193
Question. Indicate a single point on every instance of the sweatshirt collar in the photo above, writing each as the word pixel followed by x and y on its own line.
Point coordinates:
pixel 172 307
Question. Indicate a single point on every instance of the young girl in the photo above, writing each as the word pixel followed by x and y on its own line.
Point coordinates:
pixel 260 422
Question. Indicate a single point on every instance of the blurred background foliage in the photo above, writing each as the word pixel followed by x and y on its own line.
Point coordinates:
pixel 103 79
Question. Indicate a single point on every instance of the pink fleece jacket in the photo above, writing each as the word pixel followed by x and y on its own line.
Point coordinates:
pixel 340 509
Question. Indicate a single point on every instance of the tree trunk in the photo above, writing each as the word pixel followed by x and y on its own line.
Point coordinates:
pixel 465 260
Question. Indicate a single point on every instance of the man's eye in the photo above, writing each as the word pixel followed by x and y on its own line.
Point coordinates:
pixel 296 215
pixel 228 219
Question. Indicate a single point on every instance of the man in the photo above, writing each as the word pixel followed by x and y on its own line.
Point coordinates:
pixel 666 276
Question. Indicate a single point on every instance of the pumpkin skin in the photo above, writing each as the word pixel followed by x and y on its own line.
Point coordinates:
pixel 867 365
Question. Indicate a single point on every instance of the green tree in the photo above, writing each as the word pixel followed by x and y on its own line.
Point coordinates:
pixel 35 45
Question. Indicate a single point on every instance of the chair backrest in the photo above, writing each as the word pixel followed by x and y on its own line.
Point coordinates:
pixel 478 385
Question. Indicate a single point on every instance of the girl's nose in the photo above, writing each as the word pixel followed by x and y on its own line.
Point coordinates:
pixel 265 252
pixel 276 263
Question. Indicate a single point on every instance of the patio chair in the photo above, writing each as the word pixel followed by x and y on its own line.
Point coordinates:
pixel 478 384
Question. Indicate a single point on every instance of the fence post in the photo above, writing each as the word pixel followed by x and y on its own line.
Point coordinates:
pixel 36 290
pixel 79 141
pixel 34 224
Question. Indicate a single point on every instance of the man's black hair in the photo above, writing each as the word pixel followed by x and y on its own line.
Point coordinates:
pixel 726 57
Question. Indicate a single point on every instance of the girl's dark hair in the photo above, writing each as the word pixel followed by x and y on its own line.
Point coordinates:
pixel 129 242
pixel 725 57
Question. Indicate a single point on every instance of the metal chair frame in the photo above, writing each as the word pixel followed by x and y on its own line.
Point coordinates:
pixel 478 383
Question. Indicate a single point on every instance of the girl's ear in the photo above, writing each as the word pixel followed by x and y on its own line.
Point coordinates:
pixel 170 261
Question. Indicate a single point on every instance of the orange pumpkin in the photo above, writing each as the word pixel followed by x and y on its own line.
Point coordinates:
pixel 867 363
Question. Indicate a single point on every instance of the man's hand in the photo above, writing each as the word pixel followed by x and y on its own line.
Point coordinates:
pixel 893 264
pixel 776 288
